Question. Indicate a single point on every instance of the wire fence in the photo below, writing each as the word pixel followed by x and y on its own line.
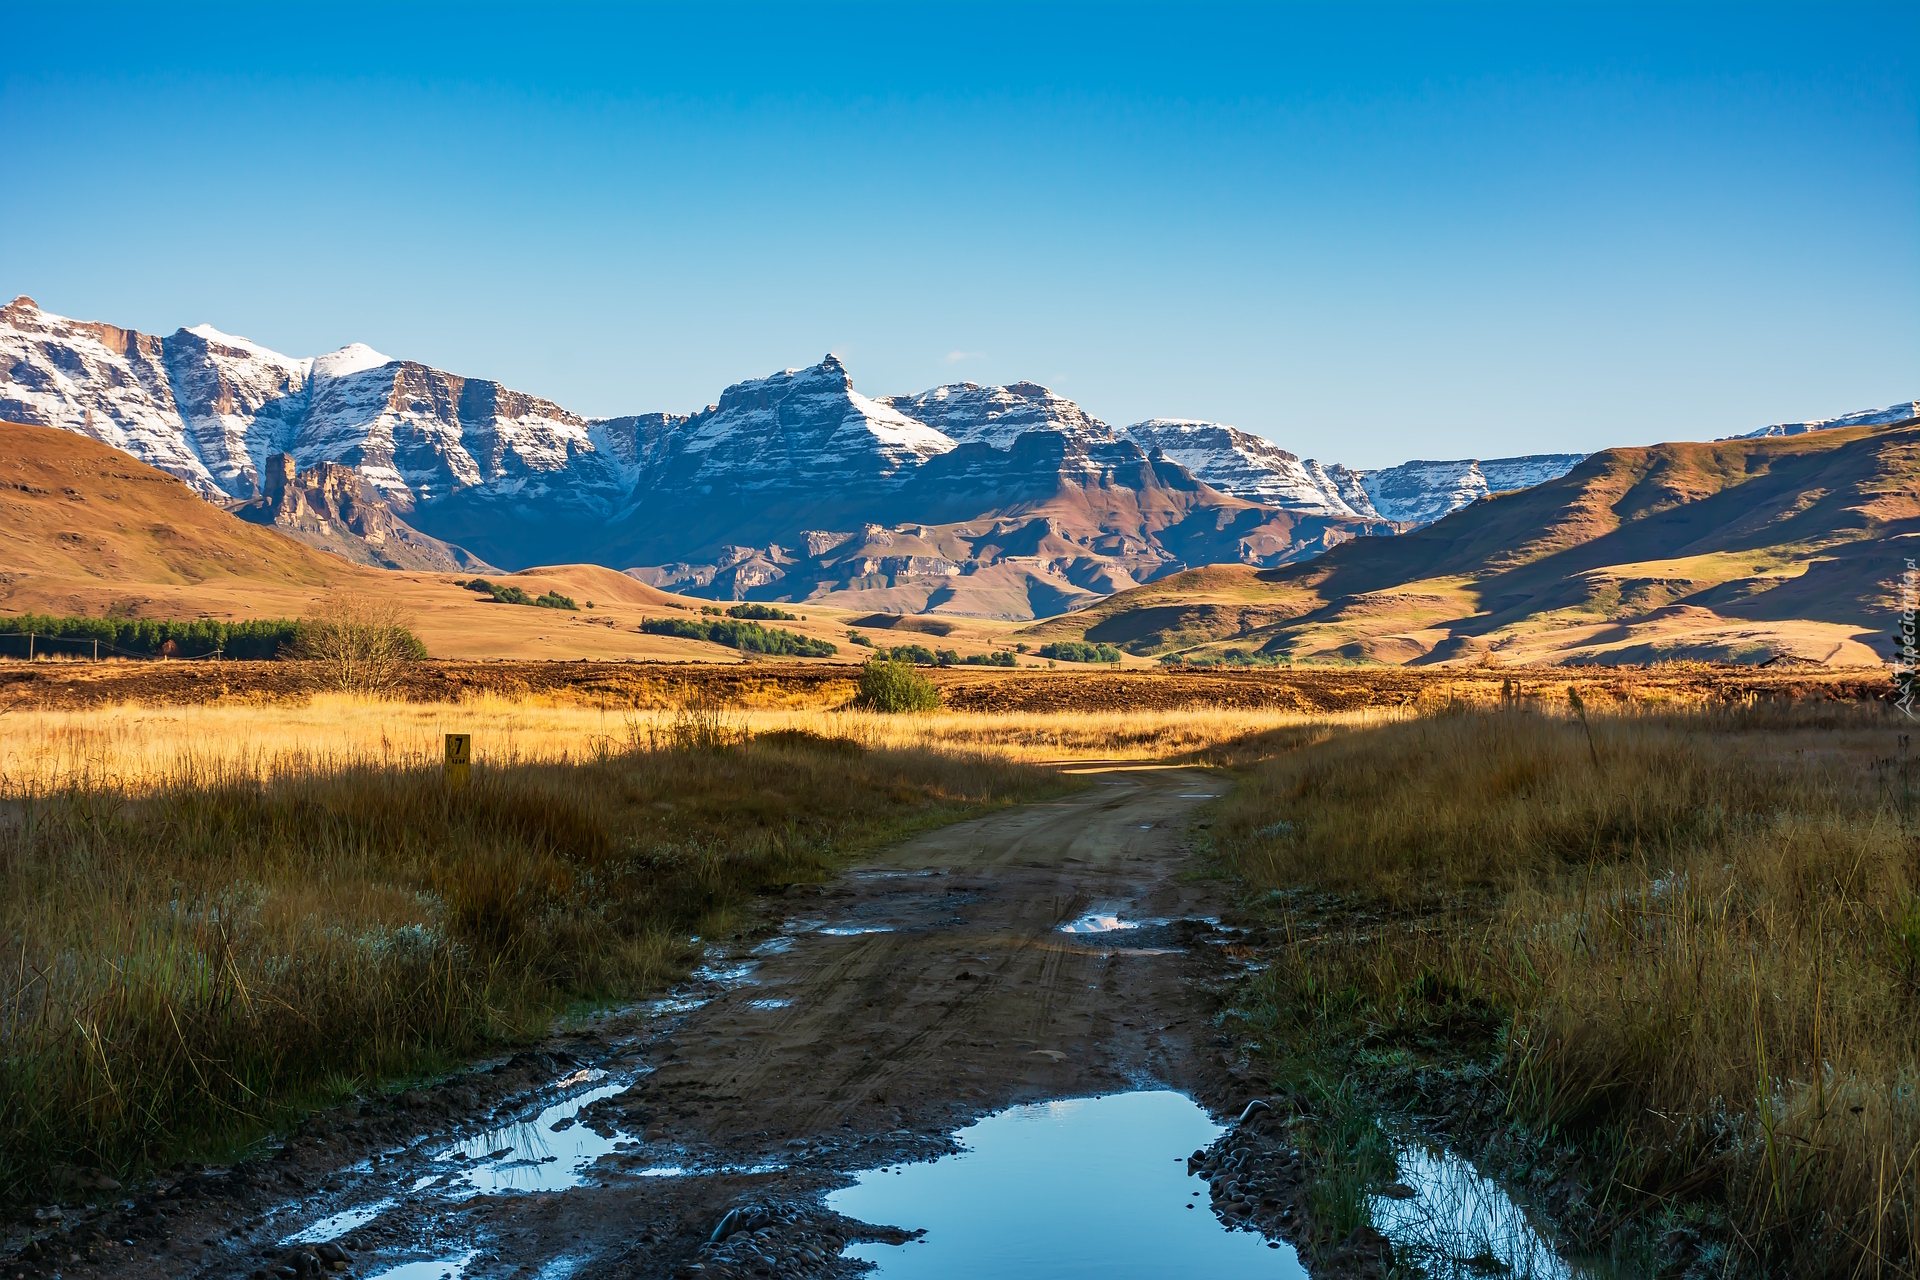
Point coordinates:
pixel 31 646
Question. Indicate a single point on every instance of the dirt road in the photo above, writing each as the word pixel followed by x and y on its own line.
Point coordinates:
pixel 856 1025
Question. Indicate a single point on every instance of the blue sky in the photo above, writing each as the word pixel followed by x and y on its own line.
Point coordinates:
pixel 1367 232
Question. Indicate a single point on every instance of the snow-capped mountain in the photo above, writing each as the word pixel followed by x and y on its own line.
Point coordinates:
pixel 1902 412
pixel 102 381
pixel 967 412
pixel 1417 493
pixel 1247 466
pixel 211 408
pixel 1413 493
pixel 799 427
pixel 794 482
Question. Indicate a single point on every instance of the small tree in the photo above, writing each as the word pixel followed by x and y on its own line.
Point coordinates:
pixel 361 644
pixel 896 686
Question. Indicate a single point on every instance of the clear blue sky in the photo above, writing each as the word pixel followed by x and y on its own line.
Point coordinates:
pixel 1366 232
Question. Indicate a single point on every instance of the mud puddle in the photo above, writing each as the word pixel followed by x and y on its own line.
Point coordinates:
pixel 1086 1186
pixel 551 1152
pixel 847 1027
pixel 1459 1222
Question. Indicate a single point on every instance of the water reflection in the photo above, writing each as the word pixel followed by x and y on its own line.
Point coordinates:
pixel 1460 1223
pixel 337 1225
pixel 431 1269
pixel 1091 1186
pixel 549 1153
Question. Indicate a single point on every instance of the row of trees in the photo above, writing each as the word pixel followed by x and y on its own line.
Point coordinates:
pixel 360 643
pixel 748 637
pixel 151 637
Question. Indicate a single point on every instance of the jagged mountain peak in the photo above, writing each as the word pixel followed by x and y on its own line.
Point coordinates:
pixel 806 425
pixel 1248 466
pixel 968 412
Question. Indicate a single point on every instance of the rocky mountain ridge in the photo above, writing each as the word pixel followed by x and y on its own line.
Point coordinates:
pixel 965 497
pixel 1900 412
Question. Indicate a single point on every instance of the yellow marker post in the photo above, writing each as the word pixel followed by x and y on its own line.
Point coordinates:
pixel 459 759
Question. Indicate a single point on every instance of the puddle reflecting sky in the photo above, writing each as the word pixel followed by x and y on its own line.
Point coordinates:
pixel 1104 920
pixel 431 1269
pixel 1090 1186
pixel 548 1153
pixel 1460 1223
pixel 337 1225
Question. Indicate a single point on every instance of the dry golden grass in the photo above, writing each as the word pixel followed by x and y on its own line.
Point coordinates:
pixel 136 746
pixel 1690 942
pixel 213 917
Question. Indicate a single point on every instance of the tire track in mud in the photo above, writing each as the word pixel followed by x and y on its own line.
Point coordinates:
pixel 965 999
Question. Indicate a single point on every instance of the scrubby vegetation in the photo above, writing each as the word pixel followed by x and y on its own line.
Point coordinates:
pixel 748 637
pixel 892 685
pixel 146 637
pixel 761 613
pixel 515 595
pixel 998 658
pixel 193 953
pixel 914 654
pixel 1672 959
pixel 1079 651
pixel 1225 658
pixel 360 644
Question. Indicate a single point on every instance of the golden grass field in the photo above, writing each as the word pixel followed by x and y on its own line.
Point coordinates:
pixel 1664 947
pixel 1688 944
pixel 140 748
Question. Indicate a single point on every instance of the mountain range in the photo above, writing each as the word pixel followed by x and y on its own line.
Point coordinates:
pixel 1790 544
pixel 1011 501
pixel 1001 501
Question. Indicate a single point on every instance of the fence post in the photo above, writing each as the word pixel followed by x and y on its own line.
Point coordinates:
pixel 459 759
pixel 29 646
pixel 96 648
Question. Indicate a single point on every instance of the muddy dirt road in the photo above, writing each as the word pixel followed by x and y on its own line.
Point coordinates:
pixel 854 1026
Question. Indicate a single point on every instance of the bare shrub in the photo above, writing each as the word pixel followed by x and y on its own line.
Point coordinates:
pixel 362 644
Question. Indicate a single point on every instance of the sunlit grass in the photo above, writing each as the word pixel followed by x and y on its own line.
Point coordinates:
pixel 1688 942
pixel 212 918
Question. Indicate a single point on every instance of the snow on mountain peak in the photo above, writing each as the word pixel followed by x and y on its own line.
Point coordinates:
pixel 1900 412
pixel 967 412
pixel 1241 463
pixel 355 357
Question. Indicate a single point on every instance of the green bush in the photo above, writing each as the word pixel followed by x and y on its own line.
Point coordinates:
pixel 514 595
pixel 1080 651
pixel 761 612
pixel 918 654
pixel 895 686
pixel 748 637
pixel 1003 658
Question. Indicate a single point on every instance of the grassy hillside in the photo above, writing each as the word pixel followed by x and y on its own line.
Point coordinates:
pixel 87 531
pixel 1742 549
pixel 77 511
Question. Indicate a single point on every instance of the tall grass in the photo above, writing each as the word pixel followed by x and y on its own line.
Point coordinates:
pixel 1689 944
pixel 131 745
pixel 192 950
